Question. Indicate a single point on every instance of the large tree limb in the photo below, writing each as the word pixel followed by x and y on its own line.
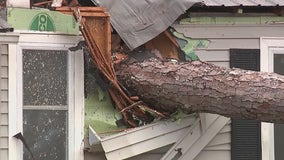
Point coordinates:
pixel 203 87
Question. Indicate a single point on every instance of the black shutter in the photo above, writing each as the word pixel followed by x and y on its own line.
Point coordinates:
pixel 246 134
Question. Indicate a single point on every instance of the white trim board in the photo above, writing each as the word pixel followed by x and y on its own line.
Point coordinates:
pixel 146 138
pixel 268 46
pixel 196 139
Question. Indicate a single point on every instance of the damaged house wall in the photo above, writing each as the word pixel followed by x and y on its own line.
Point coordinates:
pixel 219 148
pixel 226 32
pixel 230 33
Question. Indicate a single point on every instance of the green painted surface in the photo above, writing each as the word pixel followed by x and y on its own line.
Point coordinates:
pixel 100 113
pixel 191 44
pixel 256 20
pixel 42 20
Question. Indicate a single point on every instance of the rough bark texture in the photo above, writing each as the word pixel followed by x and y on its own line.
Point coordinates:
pixel 203 87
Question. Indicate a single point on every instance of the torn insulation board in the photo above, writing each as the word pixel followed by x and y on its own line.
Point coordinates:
pixel 100 113
pixel 42 20
pixel 188 45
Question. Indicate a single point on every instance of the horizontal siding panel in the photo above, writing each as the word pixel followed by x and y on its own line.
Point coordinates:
pixel 4 49
pixel 147 156
pixel 214 155
pixel 3 143
pixel 4 60
pixel 226 129
pixel 4 84
pixel 3 119
pixel 4 72
pixel 3 107
pixel 4 103
pixel 3 131
pixel 221 64
pixel 4 154
pixel 229 123
pixel 233 31
pixel 223 138
pixel 4 95
pixel 221 147
pixel 213 55
pixel 225 44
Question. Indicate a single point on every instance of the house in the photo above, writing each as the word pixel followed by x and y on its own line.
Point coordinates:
pixel 247 35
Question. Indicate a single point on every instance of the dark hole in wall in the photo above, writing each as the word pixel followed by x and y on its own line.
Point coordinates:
pixel 86 2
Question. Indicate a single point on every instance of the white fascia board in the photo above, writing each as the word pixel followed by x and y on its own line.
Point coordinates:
pixel 143 139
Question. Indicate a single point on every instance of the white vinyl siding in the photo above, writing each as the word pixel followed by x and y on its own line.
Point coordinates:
pixel 224 37
pixel 219 148
pixel 4 101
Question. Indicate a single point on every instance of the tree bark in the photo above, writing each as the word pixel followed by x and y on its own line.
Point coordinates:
pixel 202 87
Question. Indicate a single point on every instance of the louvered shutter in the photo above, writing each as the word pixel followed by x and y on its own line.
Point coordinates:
pixel 246 134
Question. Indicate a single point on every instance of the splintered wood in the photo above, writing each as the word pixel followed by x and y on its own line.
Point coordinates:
pixel 95 27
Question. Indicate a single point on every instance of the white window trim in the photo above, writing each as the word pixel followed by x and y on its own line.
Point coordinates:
pixel 268 46
pixel 76 120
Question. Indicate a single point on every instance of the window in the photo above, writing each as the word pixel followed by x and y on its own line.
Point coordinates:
pixel 50 98
pixel 45 103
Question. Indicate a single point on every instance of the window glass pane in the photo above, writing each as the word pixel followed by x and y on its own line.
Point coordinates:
pixel 44 77
pixel 279 63
pixel 46 134
pixel 279 128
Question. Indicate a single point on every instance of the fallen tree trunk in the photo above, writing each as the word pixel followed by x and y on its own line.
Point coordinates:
pixel 203 87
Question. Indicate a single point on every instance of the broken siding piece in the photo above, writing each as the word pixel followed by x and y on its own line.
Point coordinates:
pixel 146 138
pixel 200 137
pixel 189 45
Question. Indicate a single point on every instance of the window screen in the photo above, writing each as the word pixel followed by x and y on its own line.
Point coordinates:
pixel 45 99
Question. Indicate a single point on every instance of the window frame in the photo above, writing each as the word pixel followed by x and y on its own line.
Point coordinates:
pixel 47 41
pixel 268 46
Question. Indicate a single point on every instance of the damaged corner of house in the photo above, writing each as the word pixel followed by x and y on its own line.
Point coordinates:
pixel 105 123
